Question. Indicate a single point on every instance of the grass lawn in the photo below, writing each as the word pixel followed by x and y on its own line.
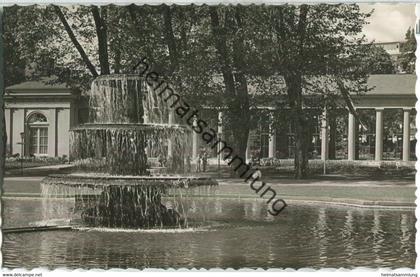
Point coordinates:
pixel 317 190
pixel 17 163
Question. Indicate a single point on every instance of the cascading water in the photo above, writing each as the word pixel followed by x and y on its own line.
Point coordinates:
pixel 116 152
pixel 127 118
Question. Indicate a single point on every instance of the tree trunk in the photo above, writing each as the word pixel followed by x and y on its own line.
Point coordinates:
pixel 3 133
pixel 241 100
pixel 117 63
pixel 241 122
pixel 101 31
pixel 135 13
pixel 294 84
pixel 170 37
pixel 302 138
pixel 237 99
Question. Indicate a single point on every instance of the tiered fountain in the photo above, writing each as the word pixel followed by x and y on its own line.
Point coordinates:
pixel 114 185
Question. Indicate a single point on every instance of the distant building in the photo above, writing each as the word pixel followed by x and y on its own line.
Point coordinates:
pixel 388 113
pixel 394 50
pixel 40 115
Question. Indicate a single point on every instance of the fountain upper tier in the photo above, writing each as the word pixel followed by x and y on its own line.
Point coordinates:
pixel 122 98
pixel 128 122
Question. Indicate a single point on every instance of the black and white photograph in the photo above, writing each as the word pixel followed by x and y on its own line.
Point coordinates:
pixel 178 137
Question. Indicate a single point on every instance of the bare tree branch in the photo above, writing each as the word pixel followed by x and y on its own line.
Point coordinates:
pixel 349 103
pixel 76 43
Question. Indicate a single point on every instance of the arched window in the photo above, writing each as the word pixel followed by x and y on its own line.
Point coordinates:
pixel 38 134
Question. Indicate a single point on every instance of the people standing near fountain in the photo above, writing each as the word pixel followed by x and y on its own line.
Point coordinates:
pixel 257 174
pixel 170 164
pixel 199 157
pixel 205 157
pixel 188 164
pixel 161 160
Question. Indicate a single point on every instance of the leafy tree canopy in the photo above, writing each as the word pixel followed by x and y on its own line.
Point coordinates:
pixel 379 61
pixel 407 57
pixel 213 55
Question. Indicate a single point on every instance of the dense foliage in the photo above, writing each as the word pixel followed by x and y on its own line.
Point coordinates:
pixel 224 56
pixel 407 57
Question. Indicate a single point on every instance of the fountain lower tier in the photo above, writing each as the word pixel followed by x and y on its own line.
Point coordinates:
pixel 127 207
pixel 126 201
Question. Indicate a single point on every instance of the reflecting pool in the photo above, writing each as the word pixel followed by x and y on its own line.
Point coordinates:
pixel 236 234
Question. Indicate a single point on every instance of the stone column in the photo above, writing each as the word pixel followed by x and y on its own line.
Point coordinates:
pixel 19 127
pixel 194 142
pixel 8 117
pixel 171 120
pixel 406 135
pixel 52 132
pixel 332 136
pixel 247 151
pixel 220 134
pixel 351 140
pixel 379 137
pixel 324 136
pixel 271 138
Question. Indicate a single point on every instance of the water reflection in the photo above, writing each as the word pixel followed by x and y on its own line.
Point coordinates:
pixel 347 234
pixel 377 236
pixel 320 233
pixel 238 234
pixel 405 233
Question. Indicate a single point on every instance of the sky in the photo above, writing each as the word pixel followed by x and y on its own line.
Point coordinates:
pixel 389 22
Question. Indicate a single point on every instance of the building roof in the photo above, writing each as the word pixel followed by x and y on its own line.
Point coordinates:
pixel 382 84
pixel 46 88
pixel 392 84
pixel 44 84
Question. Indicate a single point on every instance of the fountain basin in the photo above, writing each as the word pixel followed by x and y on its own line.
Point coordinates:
pixel 128 123
pixel 95 180
pixel 102 200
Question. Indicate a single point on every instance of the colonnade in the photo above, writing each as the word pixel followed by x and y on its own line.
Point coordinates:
pixel 379 135
pixel 324 134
